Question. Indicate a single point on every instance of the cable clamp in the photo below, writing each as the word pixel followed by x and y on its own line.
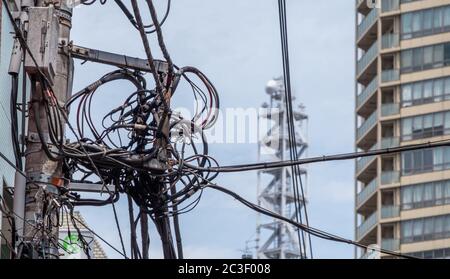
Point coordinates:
pixel 34 138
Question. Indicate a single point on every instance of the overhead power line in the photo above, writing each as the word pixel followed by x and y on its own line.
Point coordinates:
pixel 324 158
pixel 310 230
pixel 146 151
pixel 295 169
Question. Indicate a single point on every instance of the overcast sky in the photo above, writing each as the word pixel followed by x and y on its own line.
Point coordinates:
pixel 236 44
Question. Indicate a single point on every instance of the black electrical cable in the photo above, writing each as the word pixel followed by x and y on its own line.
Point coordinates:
pixel 99 237
pixel 132 20
pixel 176 225
pixel 45 85
pixel 24 108
pixel 310 230
pixel 14 120
pixel 11 212
pixel 116 219
pixel 161 43
pixel 135 166
pixel 329 158
pixel 13 165
pixel 22 41
pixel 295 170
pixel 135 254
pixel 84 244
pixel 148 52
pixel 8 244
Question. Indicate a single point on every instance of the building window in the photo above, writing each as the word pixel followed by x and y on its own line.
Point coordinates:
pixel 425 92
pixel 416 23
pixel 425 195
pixel 424 58
pixel 438 56
pixel 438 90
pixel 432 254
pixel 428 22
pixel 407 231
pixel 428 92
pixel 426 160
pixel 446 17
pixel 426 126
pixel 424 229
pixel 417 57
pixel 406 58
pixel 407 26
pixel 438 18
pixel 425 22
pixel 428 57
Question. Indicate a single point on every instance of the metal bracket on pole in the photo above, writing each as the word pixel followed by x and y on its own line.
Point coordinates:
pixel 118 60
pixel 90 187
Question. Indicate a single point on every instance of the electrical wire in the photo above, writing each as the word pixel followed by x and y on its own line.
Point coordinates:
pixel 315 232
pixel 132 19
pixel 325 158
pixel 296 175
pixel 142 148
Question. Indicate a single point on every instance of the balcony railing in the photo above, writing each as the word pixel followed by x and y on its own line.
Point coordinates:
pixel 367 22
pixel 368 124
pixel 390 109
pixel 390 142
pixel 390 40
pixel 390 211
pixel 390 177
pixel 368 57
pixel 367 92
pixel 390 75
pixel 389 5
pixel 368 191
pixel 390 244
pixel 366 225
pixel 364 161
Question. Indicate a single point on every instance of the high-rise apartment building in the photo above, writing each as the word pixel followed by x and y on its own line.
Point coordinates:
pixel 403 97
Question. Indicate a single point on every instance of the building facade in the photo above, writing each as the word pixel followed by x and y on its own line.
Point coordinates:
pixel 402 201
pixel 71 244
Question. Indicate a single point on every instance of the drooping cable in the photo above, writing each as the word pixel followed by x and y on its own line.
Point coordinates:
pixel 296 175
pixel 315 232
pixel 324 158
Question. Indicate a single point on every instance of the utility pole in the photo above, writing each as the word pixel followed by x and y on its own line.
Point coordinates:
pixel 45 26
pixel 49 25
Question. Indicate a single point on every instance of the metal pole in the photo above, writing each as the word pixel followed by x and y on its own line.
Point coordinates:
pixel 42 193
pixel 19 203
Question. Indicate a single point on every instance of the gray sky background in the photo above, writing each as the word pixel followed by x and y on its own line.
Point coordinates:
pixel 236 44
